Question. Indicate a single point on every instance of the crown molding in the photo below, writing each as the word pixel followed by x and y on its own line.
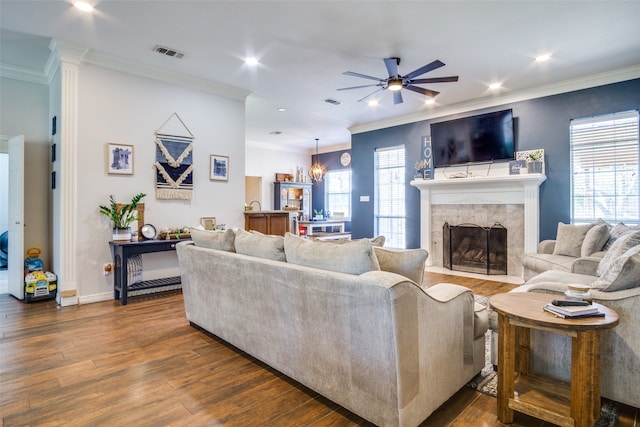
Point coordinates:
pixel 24 74
pixel 565 86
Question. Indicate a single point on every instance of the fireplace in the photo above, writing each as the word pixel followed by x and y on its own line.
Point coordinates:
pixel 475 249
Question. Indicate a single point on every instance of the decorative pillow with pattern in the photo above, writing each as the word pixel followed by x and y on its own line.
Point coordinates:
pixel 619 230
pixel 356 257
pixel 221 240
pixel 619 247
pixel 622 273
pixel 569 239
pixel 254 243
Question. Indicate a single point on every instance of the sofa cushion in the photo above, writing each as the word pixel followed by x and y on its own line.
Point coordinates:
pixel 408 263
pixel 542 262
pixel 221 240
pixel 352 257
pixel 260 245
pixel 622 273
pixel 619 247
pixel 595 239
pixel 556 276
pixel 569 239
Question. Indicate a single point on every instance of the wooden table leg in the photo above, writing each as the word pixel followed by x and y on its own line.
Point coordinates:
pixel 506 368
pixel 585 378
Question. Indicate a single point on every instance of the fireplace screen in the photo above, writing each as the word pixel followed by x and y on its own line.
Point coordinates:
pixel 475 249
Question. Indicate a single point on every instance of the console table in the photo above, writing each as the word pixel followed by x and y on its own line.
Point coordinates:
pixel 121 251
pixel 568 405
pixel 322 225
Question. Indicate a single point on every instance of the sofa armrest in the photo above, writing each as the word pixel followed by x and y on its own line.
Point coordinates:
pixel 586 265
pixel 546 246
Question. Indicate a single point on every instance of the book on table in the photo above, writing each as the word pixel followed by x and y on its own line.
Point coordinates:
pixel 573 312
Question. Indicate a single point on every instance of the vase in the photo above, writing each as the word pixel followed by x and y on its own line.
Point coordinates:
pixel 534 167
pixel 121 234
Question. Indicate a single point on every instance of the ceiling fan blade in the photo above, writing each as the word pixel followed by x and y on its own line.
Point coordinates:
pixel 422 90
pixel 435 80
pixel 425 69
pixel 357 87
pixel 397 97
pixel 365 97
pixel 392 66
pixel 364 76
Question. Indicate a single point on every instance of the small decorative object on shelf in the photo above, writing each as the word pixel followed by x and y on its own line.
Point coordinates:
pixel 534 161
pixel 122 216
pixel 167 233
pixel 420 169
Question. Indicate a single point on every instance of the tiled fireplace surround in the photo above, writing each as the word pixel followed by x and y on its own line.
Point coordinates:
pixel 511 200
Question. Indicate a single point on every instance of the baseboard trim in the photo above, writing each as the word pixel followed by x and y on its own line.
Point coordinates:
pixel 88 299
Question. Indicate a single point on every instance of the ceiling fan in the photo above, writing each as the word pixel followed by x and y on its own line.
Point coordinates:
pixel 395 82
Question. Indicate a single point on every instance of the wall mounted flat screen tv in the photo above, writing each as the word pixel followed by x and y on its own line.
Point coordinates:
pixel 483 138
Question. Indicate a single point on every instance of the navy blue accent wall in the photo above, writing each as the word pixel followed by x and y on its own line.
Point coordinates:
pixel 540 123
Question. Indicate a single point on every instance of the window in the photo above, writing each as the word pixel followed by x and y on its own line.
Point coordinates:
pixel 604 168
pixel 390 217
pixel 337 191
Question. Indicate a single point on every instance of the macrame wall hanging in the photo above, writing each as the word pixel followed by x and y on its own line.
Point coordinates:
pixel 174 161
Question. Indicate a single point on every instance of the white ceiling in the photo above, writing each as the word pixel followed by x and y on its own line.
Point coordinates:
pixel 305 46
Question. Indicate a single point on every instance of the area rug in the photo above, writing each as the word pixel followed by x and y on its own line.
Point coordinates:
pixel 486 381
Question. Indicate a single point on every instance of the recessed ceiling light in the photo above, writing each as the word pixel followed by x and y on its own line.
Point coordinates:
pixel 281 109
pixel 83 6
pixel 275 132
pixel 430 101
pixel 495 86
pixel 250 60
pixel 372 103
pixel 544 57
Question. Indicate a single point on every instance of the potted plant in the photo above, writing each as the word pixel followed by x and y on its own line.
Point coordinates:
pixel 122 216
pixel 534 161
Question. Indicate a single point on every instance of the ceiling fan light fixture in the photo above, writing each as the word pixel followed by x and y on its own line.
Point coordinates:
pixel 317 171
pixel 394 84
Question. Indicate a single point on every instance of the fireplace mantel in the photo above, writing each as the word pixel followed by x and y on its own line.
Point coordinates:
pixel 490 190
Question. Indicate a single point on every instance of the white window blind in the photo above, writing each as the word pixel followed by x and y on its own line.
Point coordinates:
pixel 390 216
pixel 604 168
pixel 337 191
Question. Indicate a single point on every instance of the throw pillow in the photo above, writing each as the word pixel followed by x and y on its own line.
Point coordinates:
pixel 375 241
pixel 408 263
pixel 622 273
pixel 356 257
pixel 619 230
pixel 254 243
pixel 569 239
pixel 595 239
pixel 619 247
pixel 221 240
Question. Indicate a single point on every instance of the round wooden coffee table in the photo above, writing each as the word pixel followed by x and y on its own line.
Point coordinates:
pixel 576 404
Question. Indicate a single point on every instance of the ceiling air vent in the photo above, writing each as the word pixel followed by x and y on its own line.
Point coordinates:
pixel 332 101
pixel 168 51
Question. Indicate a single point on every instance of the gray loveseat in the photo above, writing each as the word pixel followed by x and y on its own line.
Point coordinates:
pixel 615 284
pixel 374 342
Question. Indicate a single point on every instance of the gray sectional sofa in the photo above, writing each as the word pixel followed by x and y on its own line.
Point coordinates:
pixel 614 279
pixel 345 320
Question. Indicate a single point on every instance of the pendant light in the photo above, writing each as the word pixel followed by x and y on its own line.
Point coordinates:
pixel 317 170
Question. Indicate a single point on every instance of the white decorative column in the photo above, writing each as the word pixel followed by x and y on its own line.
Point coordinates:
pixel 64 62
pixel 488 190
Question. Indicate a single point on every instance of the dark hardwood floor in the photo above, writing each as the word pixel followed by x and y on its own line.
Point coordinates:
pixel 142 364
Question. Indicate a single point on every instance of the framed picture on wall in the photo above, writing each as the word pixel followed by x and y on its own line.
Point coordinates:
pixel 119 159
pixel 208 222
pixel 219 168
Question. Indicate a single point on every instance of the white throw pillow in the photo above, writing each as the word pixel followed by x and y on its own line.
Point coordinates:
pixel 595 239
pixel 622 273
pixel 354 257
pixel 569 239
pixel 221 240
pixel 254 243
pixel 619 247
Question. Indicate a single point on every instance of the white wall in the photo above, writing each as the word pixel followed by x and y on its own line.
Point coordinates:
pixel 122 108
pixel 266 162
pixel 24 111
